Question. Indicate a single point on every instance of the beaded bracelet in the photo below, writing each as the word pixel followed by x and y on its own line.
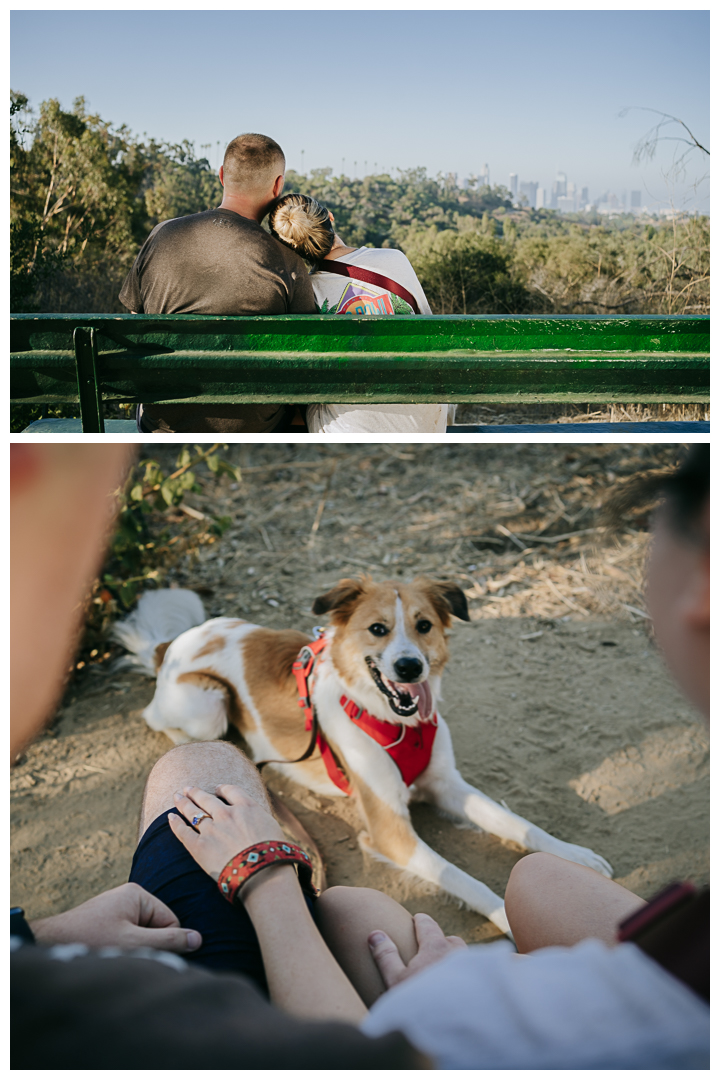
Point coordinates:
pixel 259 857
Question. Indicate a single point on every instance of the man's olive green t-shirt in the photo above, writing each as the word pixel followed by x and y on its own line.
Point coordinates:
pixel 215 263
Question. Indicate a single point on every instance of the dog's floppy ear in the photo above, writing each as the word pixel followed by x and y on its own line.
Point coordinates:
pixel 448 599
pixel 340 599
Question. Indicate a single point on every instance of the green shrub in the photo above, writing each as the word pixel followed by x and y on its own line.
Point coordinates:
pixel 150 538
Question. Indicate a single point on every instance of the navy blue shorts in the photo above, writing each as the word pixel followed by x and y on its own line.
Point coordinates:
pixel 167 870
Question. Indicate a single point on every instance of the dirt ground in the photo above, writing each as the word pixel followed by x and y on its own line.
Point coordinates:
pixel 556 695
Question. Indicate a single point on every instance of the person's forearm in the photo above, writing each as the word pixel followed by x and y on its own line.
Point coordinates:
pixel 42 930
pixel 55 929
pixel 302 974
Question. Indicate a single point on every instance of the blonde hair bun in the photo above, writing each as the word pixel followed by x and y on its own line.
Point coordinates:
pixel 302 223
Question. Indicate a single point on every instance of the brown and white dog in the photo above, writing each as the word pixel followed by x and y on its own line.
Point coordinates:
pixel 385 650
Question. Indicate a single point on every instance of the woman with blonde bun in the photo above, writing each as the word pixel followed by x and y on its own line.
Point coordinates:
pixel 364 281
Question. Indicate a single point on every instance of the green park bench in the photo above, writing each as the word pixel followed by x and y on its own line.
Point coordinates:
pixel 93 360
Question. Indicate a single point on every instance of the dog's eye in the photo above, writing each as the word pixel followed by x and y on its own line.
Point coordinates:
pixel 423 626
pixel 378 629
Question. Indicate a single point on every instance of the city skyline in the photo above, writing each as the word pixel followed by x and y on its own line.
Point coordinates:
pixel 529 92
pixel 563 195
pixel 569 197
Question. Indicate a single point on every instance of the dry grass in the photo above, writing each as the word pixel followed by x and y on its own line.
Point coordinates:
pixel 516 524
pixel 577 414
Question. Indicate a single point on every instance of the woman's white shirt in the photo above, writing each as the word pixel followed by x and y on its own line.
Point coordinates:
pixel 335 294
pixel 586 1007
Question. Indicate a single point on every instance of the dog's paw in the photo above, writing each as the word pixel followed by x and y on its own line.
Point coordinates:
pixel 177 735
pixel 585 857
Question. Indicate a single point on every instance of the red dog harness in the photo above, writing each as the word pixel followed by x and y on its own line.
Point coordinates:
pixel 409 747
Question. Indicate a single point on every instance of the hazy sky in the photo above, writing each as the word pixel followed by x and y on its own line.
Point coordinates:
pixel 529 92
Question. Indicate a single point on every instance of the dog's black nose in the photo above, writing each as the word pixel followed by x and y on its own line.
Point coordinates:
pixel 408 669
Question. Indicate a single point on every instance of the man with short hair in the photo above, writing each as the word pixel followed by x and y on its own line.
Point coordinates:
pixel 221 262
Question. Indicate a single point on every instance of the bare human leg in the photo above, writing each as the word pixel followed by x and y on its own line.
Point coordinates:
pixel 346 916
pixel 550 901
pixel 201 764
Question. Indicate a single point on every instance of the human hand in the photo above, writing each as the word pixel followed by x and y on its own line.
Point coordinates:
pixel 233 825
pixel 432 946
pixel 128 917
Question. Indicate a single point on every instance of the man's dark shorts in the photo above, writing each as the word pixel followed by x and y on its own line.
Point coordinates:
pixel 167 870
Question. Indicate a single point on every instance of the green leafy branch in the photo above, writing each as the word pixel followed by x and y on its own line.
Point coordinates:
pixel 151 537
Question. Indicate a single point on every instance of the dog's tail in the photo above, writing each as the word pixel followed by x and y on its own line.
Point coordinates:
pixel 160 617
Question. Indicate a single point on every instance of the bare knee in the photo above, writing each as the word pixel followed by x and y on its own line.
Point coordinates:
pixel 203 764
pixel 336 894
pixel 337 905
pixel 526 877
pixel 196 757
pixel 344 899
pixel 340 894
pixel 346 916
pixel 550 901
pixel 351 913
pixel 530 869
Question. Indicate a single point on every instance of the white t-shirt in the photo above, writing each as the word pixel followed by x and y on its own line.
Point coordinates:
pixel 346 296
pixel 587 1007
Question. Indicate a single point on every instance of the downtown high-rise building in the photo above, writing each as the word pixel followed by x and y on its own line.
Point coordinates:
pixel 528 188
pixel 565 195
pixel 559 189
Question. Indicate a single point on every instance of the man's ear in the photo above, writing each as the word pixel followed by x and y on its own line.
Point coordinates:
pixel 221 174
pixel 278 186
pixel 340 600
pixel 448 599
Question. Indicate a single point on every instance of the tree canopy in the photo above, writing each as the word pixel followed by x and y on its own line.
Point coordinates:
pixel 84 196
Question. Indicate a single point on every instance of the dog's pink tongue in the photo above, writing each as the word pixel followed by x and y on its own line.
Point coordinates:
pixel 421 691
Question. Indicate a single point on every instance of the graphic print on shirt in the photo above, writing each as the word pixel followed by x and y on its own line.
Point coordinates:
pixel 359 300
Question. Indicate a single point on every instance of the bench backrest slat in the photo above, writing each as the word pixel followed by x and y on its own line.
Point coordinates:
pixel 344 359
pixel 379 333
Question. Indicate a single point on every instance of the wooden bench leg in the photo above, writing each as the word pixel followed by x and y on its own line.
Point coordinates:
pixel 91 411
